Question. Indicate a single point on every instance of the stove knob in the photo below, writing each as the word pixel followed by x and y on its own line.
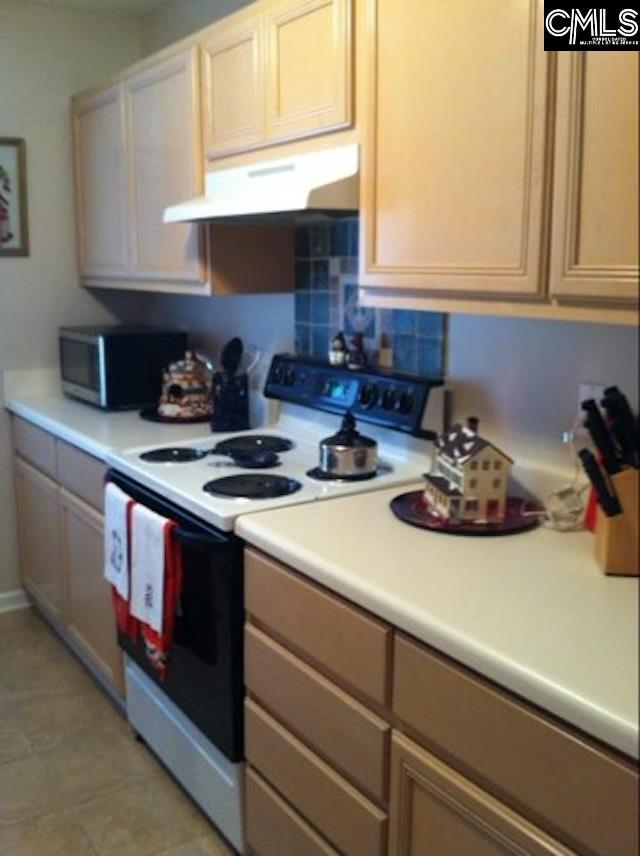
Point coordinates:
pixel 277 373
pixel 369 395
pixel 389 398
pixel 289 377
pixel 405 403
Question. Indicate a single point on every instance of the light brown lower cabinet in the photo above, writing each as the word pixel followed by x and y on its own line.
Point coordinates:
pixel 89 615
pixel 59 498
pixel 39 538
pixel 436 811
pixel 442 763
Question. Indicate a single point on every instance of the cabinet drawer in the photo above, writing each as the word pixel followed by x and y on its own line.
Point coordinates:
pixel 35 445
pixel 339 638
pixel 273 828
pixel 560 781
pixel 348 735
pixel 81 474
pixel 350 822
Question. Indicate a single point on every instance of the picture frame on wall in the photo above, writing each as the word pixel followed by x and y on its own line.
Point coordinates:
pixel 14 227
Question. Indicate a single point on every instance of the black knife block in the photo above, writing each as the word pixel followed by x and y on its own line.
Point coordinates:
pixel 230 402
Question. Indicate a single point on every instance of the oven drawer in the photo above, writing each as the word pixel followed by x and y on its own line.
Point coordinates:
pixel 36 446
pixel 273 828
pixel 529 761
pixel 345 642
pixel 81 474
pixel 351 822
pixel 349 736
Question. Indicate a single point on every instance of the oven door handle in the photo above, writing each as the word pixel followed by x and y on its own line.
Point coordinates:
pixel 197 540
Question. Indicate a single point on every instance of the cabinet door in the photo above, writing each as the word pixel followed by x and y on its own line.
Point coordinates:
pixel 90 619
pixel 100 174
pixel 454 150
pixel 595 212
pixel 39 537
pixel 233 86
pixel 435 810
pixel 163 122
pixel 309 74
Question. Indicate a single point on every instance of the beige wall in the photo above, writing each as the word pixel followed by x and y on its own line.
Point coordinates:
pixel 175 19
pixel 46 54
pixel 521 377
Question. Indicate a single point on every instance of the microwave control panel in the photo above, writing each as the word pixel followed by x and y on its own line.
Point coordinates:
pixel 381 397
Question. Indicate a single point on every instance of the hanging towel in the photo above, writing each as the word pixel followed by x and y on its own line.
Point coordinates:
pixel 117 508
pixel 148 566
pixel 158 645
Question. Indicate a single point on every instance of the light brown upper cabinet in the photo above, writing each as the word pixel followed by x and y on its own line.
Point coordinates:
pixel 595 212
pixel 137 150
pixel 233 84
pixel 498 178
pixel 454 146
pixel 137 145
pixel 277 71
pixel 163 124
pixel 101 183
pixel 309 67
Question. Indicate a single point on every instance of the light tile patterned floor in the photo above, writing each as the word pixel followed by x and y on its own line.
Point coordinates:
pixel 73 781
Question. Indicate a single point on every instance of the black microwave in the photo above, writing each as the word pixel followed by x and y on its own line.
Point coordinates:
pixel 118 367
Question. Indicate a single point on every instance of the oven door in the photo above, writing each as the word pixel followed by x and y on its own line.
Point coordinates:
pixel 83 367
pixel 205 673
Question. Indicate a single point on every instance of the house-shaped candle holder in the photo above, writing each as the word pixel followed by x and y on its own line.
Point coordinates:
pixel 468 478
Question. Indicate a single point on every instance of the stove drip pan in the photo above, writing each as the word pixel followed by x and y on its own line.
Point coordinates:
pixel 174 455
pixel 319 474
pixel 253 486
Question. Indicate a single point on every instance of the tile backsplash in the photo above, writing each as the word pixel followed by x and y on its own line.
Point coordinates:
pixel 326 300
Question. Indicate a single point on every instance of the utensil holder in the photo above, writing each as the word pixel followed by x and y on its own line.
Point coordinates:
pixel 616 542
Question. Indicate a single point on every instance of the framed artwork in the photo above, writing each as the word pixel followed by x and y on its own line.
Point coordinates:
pixel 14 233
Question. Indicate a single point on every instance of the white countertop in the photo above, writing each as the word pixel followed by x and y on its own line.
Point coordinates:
pixel 96 431
pixel 531 611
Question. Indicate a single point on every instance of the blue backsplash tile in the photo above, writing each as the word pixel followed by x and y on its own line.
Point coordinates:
pixel 327 301
pixel 320 275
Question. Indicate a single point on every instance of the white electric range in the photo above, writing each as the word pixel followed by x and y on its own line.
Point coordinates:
pixel 193 719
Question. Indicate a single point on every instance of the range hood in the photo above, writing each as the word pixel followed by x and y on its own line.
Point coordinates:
pixel 321 181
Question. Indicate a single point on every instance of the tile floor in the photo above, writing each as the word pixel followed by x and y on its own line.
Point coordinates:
pixel 73 781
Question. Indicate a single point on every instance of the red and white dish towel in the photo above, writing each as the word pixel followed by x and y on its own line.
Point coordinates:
pixel 143 563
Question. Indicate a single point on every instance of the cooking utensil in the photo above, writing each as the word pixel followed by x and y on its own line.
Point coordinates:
pixel 601 437
pixel 348 453
pixel 622 425
pixel 258 459
pixel 607 500
pixel 231 355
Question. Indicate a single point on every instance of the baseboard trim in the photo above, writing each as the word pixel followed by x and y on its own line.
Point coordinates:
pixel 10 600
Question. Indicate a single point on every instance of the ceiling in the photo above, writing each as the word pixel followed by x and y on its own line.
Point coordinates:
pixel 129 7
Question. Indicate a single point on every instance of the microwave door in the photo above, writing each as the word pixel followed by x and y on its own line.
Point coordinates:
pixel 83 368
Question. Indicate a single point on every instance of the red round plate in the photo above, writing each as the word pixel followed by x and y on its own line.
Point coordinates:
pixel 412 508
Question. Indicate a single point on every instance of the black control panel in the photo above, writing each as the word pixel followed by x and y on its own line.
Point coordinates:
pixel 378 396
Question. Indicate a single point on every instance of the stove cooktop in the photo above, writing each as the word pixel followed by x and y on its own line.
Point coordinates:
pixel 181 475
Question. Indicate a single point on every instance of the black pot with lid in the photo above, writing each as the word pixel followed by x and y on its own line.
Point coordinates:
pixel 348 453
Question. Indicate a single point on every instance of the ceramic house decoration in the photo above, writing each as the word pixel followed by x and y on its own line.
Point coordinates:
pixel 468 478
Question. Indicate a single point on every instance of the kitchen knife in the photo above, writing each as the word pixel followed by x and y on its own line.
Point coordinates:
pixel 231 356
pixel 597 428
pixel 607 501
pixel 622 424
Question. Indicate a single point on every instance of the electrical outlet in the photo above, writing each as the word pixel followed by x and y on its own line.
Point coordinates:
pixel 590 390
